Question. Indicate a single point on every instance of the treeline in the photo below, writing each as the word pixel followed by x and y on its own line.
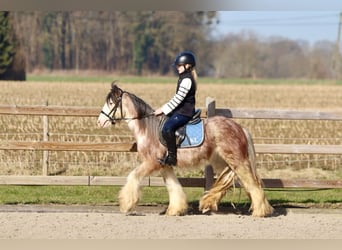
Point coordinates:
pixel 127 42
pixel 248 56
pixel 147 42
pixel 12 63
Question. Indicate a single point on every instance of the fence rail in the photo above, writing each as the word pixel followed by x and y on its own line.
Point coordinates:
pixel 41 110
pixel 279 114
pixel 209 110
pixel 68 146
pixel 48 110
pixel 131 147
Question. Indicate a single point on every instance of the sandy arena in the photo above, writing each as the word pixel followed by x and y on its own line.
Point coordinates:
pixel 106 222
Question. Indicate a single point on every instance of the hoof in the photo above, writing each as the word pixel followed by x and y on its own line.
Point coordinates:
pixel 207 204
pixel 172 212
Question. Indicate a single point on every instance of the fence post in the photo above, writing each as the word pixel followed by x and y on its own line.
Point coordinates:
pixel 208 171
pixel 45 138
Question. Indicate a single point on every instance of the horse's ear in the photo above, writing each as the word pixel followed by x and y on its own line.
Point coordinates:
pixel 115 89
pixel 113 85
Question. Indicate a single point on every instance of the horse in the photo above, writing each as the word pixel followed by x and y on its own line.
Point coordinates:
pixel 227 147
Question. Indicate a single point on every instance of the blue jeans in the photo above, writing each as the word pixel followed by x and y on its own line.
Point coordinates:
pixel 174 122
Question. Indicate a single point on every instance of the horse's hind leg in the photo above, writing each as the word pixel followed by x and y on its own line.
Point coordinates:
pixel 253 185
pixel 249 180
pixel 177 199
pixel 210 199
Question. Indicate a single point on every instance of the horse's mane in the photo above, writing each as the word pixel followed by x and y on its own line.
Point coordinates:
pixel 141 106
pixel 144 111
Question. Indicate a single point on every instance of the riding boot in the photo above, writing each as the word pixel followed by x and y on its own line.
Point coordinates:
pixel 171 157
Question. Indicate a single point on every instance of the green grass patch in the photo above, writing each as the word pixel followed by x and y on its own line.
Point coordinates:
pixel 104 195
pixel 269 81
pixel 66 78
pixel 99 79
pixel 304 196
pixel 57 195
pixel 172 79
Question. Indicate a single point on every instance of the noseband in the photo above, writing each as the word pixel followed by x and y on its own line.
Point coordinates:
pixel 118 102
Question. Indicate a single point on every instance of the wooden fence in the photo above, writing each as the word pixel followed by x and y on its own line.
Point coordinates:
pixel 209 110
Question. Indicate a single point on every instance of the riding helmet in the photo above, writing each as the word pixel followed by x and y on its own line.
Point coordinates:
pixel 185 57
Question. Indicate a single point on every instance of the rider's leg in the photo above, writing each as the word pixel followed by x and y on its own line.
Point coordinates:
pixel 168 133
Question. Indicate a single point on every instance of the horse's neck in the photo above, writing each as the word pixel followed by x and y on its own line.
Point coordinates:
pixel 137 126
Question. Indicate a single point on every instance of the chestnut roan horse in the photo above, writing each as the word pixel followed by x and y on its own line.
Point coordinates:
pixel 227 147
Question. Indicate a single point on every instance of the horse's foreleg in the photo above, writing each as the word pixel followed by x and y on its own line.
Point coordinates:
pixel 129 195
pixel 210 199
pixel 177 199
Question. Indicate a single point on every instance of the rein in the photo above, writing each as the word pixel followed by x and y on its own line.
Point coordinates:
pixel 118 103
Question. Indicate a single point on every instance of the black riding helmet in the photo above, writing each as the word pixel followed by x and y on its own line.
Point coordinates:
pixel 185 57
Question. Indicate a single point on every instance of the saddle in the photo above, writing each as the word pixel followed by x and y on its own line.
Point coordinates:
pixel 190 135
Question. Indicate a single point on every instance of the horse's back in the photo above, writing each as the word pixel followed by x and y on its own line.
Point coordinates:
pixel 226 134
pixel 221 124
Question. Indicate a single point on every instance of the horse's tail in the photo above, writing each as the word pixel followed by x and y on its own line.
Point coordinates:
pixel 252 155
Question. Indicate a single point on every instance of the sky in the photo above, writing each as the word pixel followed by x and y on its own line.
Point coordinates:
pixel 311 26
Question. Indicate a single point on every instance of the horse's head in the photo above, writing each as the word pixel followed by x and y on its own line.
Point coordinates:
pixel 112 104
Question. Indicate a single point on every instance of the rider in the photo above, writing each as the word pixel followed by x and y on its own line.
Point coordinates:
pixel 181 107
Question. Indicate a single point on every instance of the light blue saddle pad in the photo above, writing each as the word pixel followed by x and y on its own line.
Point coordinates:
pixel 194 135
pixel 188 136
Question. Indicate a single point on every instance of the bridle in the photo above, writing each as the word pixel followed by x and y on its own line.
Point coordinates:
pixel 117 104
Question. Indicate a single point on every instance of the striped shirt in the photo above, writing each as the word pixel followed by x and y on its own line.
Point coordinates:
pixel 179 98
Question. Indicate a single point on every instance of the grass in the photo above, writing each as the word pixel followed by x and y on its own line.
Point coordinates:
pixel 98 79
pixel 107 195
pixel 57 195
pixel 107 78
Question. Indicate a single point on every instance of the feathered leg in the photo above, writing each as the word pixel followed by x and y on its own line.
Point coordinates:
pixel 210 200
pixel 177 199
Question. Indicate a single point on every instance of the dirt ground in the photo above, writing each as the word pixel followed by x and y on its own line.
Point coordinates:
pixel 106 222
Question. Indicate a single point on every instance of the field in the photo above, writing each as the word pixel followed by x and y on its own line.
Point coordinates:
pixel 320 96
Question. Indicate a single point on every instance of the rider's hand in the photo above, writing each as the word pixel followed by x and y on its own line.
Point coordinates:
pixel 158 112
